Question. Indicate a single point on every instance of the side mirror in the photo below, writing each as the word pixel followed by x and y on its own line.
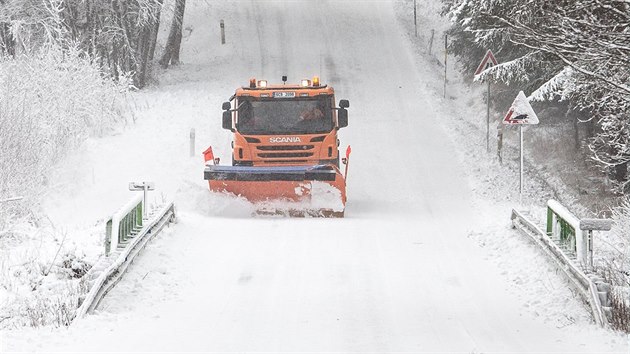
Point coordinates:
pixel 227 120
pixel 226 106
pixel 342 117
pixel 344 104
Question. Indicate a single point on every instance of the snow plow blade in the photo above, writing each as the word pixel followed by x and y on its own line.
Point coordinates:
pixel 318 190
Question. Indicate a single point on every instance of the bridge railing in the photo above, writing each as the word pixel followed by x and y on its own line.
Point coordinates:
pixel 562 224
pixel 124 224
pixel 126 235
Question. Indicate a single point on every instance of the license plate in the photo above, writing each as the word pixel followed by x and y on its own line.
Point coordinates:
pixel 284 94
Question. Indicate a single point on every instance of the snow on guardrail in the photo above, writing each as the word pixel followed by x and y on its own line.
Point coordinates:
pixel 107 275
pixel 586 288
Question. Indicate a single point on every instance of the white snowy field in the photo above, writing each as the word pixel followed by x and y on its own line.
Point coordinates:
pixel 423 261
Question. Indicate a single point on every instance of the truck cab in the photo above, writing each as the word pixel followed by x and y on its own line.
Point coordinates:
pixel 285 125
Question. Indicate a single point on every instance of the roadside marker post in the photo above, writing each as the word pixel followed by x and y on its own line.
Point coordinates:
pixel 445 61
pixel 192 142
pixel 222 32
pixel 487 62
pixel 415 22
pixel 521 113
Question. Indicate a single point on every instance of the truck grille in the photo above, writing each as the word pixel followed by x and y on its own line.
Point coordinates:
pixel 285 154
pixel 280 154
pixel 285 161
pixel 285 147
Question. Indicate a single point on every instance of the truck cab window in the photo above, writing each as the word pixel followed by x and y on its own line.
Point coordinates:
pixel 308 115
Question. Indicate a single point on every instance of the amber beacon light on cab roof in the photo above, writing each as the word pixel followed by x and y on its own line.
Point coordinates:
pixel 285 149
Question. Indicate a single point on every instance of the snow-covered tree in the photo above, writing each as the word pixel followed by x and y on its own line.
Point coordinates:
pixel 30 25
pixel 173 43
pixel 122 34
pixel 478 27
pixel 574 50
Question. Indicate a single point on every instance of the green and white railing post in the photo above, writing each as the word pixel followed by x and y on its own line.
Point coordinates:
pixel 128 221
pixel 572 234
pixel 564 228
pixel 124 224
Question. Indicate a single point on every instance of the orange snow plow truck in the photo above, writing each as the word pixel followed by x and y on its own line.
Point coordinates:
pixel 285 150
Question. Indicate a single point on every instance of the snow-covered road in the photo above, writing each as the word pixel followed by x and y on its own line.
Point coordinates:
pixel 399 274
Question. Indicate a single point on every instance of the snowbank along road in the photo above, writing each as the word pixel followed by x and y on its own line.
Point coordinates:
pixel 399 273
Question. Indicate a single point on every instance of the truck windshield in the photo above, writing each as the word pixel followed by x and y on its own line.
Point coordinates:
pixel 270 116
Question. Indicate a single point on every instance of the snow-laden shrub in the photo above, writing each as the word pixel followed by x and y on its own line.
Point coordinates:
pixel 55 307
pixel 38 288
pixel 49 104
pixel 617 246
pixel 620 303
pixel 615 265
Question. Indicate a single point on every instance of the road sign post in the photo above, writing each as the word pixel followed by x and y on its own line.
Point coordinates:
pixel 488 119
pixel 520 181
pixel 500 143
pixel 588 226
pixel 520 113
pixel 145 187
pixel 487 62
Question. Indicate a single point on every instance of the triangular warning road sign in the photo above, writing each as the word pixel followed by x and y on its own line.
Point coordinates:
pixel 487 62
pixel 521 112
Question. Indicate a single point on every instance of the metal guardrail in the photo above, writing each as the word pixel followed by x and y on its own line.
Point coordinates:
pixel 586 288
pixel 108 278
